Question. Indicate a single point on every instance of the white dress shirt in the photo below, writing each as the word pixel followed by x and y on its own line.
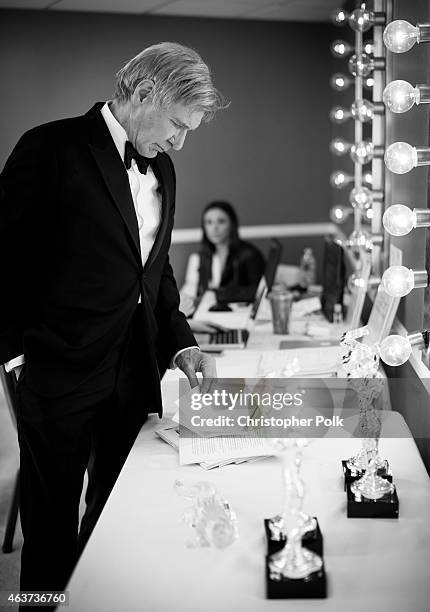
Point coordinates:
pixel 147 205
pixel 191 283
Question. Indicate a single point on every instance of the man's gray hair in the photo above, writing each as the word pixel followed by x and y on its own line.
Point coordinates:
pixel 179 75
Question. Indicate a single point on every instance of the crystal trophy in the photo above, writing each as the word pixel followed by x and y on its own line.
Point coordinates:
pixel 361 365
pixel 276 526
pixel 293 571
pixel 212 518
pixel 371 494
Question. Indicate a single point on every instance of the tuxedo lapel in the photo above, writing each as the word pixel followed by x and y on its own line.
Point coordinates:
pixel 161 170
pixel 113 172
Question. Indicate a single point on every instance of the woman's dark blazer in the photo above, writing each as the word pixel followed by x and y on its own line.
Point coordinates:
pixel 241 275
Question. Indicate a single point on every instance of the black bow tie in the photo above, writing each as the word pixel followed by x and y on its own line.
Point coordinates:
pixel 131 153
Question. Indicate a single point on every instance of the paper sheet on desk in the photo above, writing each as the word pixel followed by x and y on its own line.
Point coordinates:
pixel 198 449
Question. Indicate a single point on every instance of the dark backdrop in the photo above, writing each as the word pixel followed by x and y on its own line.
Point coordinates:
pixel 267 154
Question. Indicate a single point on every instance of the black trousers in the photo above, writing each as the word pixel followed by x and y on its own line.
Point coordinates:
pixel 92 428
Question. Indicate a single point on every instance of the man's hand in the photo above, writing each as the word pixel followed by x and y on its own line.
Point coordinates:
pixel 193 361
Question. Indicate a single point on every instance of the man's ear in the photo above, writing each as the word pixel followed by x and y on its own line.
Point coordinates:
pixel 142 91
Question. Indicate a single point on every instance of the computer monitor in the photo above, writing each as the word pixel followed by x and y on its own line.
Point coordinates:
pixel 334 276
pixel 266 282
pixel 272 263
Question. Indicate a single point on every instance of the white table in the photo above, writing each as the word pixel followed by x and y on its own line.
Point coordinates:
pixel 136 559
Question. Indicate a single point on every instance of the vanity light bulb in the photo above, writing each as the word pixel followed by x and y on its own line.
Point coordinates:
pixel 399 220
pixel 368 178
pixel 400 96
pixel 355 282
pixel 360 65
pixel 338 114
pixel 362 110
pixel 339 146
pixel 398 281
pixel 361 19
pixel 360 240
pixel 369 47
pixel 362 152
pixel 361 197
pixel 400 36
pixel 395 350
pixel 340 82
pixel 339 214
pixel 339 17
pixel 400 157
pixel 340 179
pixel 340 48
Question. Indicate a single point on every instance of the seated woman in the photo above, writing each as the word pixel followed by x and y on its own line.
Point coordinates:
pixel 229 266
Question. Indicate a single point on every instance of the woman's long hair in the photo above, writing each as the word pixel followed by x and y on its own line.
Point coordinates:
pixel 207 248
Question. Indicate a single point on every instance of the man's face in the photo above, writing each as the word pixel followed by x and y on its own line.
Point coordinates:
pixel 151 130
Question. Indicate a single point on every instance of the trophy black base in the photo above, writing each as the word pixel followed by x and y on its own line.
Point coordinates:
pixel 359 506
pixel 352 475
pixel 313 586
pixel 312 540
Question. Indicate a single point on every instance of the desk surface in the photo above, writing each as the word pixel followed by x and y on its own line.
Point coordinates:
pixel 136 559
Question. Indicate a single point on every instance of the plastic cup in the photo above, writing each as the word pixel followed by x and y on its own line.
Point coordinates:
pixel 281 302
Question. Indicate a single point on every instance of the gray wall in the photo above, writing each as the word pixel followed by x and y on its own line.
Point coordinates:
pixel 267 153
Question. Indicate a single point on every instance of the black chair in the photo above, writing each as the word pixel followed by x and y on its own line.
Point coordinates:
pixel 8 383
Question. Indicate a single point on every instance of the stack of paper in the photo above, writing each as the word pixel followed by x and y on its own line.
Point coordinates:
pixel 215 452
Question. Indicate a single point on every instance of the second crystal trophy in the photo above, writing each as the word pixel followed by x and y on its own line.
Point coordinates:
pixel 294 565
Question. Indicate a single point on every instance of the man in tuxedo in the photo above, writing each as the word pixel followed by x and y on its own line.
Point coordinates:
pixel 89 316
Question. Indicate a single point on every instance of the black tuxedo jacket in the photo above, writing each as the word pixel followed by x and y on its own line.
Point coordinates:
pixel 71 266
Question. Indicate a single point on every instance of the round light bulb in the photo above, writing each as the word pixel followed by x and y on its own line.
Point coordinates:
pixel 361 20
pixel 400 157
pixel 340 179
pixel 362 110
pixel 339 214
pixel 355 282
pixel 369 47
pixel 368 178
pixel 362 152
pixel 398 281
pixel 368 82
pixel 360 65
pixel 399 220
pixel 360 239
pixel 361 197
pixel 400 36
pixel 340 48
pixel 340 82
pixel 369 214
pixel 339 146
pixel 395 350
pixel 400 96
pixel 338 114
pixel 339 17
